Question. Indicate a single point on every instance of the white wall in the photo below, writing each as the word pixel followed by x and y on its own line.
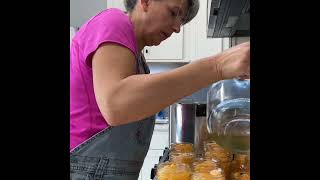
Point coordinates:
pixel 83 10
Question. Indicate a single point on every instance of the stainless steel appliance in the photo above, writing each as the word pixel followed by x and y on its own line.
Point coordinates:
pixel 228 18
pixel 187 124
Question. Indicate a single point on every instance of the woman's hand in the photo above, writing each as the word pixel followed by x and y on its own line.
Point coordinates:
pixel 234 62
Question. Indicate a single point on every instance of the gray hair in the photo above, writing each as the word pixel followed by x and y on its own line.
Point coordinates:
pixel 193 7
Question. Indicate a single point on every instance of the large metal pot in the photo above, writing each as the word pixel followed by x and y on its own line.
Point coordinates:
pixel 187 124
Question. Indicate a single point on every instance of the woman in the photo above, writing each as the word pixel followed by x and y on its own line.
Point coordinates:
pixel 113 97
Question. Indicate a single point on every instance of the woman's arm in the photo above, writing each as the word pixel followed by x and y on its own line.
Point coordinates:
pixel 124 97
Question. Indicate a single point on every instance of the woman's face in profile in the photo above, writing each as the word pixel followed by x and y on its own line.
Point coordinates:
pixel 163 17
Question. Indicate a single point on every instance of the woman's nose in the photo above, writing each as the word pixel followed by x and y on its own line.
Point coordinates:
pixel 176 27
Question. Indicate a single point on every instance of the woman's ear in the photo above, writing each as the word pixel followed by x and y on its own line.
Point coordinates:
pixel 145 5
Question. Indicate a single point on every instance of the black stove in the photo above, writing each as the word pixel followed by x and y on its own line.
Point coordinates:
pixel 163 158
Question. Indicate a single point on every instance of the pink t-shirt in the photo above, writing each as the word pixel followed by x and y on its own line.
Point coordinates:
pixel 111 25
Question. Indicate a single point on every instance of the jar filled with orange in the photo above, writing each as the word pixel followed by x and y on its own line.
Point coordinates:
pixel 214 151
pixel 216 174
pixel 240 167
pixel 201 165
pixel 173 171
pixel 182 148
pixel 186 158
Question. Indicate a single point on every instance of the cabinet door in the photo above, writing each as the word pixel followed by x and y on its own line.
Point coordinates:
pixel 116 4
pixel 160 140
pixel 140 175
pixel 170 49
pixel 151 159
pixel 205 46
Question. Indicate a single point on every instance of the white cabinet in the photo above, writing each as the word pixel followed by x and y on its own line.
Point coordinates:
pixel 238 40
pixel 169 50
pixel 151 159
pixel 160 137
pixel 204 46
pixel 159 141
pixel 190 44
pixel 72 33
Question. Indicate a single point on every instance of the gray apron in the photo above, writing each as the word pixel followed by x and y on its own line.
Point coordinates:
pixel 115 153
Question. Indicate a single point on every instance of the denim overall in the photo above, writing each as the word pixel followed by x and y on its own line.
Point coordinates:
pixel 115 153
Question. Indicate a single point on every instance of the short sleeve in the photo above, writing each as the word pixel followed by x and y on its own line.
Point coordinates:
pixel 111 25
